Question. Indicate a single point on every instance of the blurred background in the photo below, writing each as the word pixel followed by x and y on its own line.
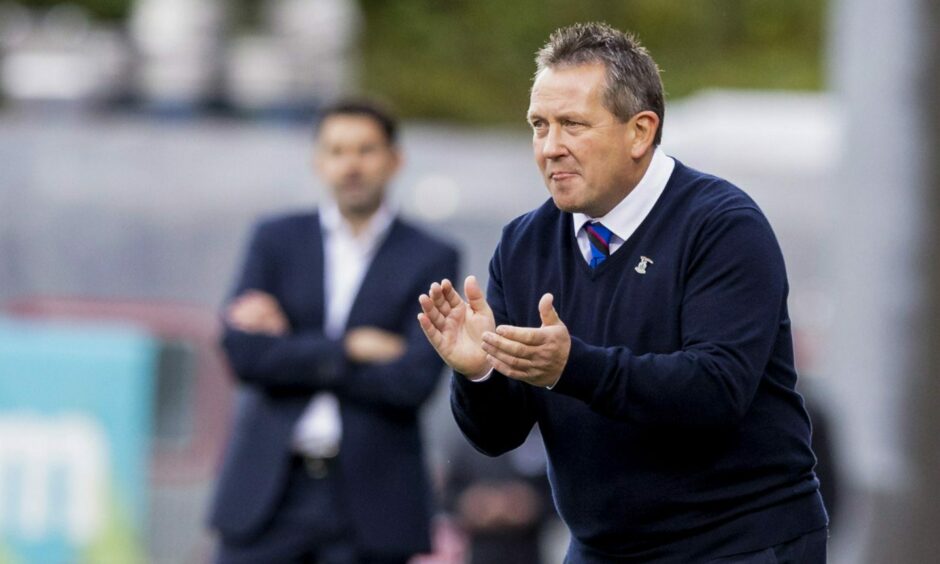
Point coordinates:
pixel 139 140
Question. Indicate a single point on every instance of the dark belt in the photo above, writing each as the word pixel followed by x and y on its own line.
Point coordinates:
pixel 317 468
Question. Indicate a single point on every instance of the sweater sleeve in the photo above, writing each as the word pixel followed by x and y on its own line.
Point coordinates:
pixel 732 312
pixel 495 415
pixel 305 361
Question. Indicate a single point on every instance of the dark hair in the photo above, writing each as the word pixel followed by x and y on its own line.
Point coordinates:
pixel 361 107
pixel 633 82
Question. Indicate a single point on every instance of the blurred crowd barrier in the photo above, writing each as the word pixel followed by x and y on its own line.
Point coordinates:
pixel 180 57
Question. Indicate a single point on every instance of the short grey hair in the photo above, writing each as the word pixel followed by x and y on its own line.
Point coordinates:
pixel 633 81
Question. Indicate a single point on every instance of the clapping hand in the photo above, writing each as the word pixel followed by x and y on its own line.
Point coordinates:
pixel 455 327
pixel 464 333
pixel 535 355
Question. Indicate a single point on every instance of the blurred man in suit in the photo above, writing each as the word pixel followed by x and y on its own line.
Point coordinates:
pixel 325 461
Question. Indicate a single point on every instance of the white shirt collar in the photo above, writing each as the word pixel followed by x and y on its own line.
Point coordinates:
pixel 333 223
pixel 626 216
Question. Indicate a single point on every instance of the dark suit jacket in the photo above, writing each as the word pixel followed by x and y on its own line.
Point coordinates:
pixel 381 467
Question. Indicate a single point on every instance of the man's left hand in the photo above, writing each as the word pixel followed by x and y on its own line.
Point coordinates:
pixel 536 356
pixel 371 344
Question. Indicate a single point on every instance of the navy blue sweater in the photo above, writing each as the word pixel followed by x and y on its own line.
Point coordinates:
pixel 675 432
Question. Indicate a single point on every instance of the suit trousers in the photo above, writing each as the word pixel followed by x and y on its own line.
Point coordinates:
pixel 308 527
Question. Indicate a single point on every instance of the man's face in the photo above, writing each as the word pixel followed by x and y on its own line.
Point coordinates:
pixel 585 153
pixel 356 161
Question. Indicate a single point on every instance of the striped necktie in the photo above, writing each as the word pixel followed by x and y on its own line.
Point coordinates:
pixel 599 237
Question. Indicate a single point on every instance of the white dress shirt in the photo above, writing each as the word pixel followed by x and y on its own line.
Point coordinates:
pixel 347 257
pixel 632 210
pixel 626 216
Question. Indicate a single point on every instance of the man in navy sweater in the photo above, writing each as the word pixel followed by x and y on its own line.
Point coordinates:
pixel 640 318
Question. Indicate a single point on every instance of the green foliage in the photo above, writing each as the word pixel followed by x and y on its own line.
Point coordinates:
pixel 110 10
pixel 7 557
pixel 245 15
pixel 117 542
pixel 472 60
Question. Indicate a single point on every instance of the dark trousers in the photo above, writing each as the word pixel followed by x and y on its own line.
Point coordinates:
pixel 807 549
pixel 307 528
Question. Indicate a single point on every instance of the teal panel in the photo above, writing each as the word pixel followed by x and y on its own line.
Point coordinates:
pixel 75 426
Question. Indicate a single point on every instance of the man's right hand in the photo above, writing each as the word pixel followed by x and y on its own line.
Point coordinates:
pixel 257 312
pixel 455 327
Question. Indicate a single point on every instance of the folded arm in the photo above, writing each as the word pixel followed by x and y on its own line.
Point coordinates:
pixel 406 380
pixel 258 340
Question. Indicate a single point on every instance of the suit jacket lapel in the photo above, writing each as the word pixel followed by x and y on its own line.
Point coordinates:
pixel 372 283
pixel 313 248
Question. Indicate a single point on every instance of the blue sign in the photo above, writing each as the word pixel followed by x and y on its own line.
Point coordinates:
pixel 75 427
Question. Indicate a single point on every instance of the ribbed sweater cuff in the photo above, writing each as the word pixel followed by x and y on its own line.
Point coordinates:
pixel 583 372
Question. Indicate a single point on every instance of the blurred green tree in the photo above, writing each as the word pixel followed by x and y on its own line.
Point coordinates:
pixel 472 60
pixel 108 10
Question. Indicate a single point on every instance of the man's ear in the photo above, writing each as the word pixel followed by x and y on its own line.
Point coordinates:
pixel 316 160
pixel 399 158
pixel 643 128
